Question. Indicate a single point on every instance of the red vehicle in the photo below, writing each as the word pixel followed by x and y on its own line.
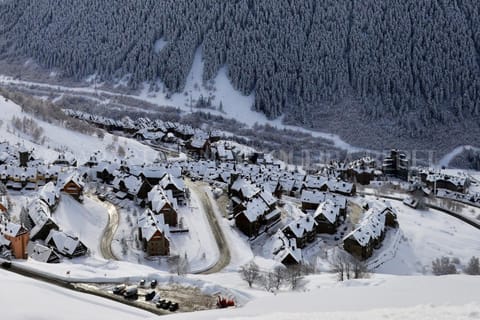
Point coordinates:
pixel 223 302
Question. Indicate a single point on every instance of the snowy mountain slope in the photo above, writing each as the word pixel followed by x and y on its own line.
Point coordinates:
pixel 85 221
pixel 26 299
pixel 425 236
pixel 451 297
pixel 81 145
pixel 406 298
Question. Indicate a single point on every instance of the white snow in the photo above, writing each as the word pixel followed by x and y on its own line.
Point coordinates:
pixel 425 236
pixel 81 145
pixel 24 299
pixel 235 105
pixel 451 297
pixel 159 45
pixel 85 221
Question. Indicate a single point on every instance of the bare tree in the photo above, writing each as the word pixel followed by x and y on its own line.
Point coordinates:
pixel 250 273
pixel 348 267
pixel 267 281
pixel 443 266
pixel 179 264
pixel 293 276
pixel 339 266
pixel 279 275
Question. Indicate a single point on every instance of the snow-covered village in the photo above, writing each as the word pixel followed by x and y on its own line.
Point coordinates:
pixel 170 219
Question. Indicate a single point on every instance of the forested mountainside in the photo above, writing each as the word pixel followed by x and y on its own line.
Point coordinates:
pixel 413 62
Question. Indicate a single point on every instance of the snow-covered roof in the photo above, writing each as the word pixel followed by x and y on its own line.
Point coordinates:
pixel 329 210
pixel 13 229
pixel 255 208
pixel 150 223
pixel 65 243
pixel 244 186
pixel 39 252
pixel 159 198
pixel 268 197
pixel 168 179
pixel 458 180
pixel 315 182
pixel 70 176
pixel 49 193
pixel 315 196
pixel 372 225
pixel 39 212
pixel 302 226
pixel 288 247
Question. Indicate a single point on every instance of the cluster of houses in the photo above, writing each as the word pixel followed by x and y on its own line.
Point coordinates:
pixel 37 235
pixel 196 141
pixel 20 170
pixel 157 187
pixel 371 231
pixel 436 180
pixel 323 212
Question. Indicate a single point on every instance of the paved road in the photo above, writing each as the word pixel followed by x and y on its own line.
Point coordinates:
pixel 109 232
pixel 431 205
pixel 224 250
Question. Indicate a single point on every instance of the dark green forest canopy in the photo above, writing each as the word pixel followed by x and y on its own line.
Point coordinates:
pixel 416 61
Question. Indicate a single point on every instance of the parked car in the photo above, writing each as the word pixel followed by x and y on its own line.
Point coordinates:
pixel 131 292
pixel 149 296
pixel 173 307
pixel 119 289
pixel 153 284
pixel 142 283
pixel 166 305
pixel 160 303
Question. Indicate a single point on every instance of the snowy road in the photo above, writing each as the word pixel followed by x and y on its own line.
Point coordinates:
pixel 109 232
pixel 205 202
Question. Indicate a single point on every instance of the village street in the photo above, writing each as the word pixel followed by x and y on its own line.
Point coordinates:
pixel 109 232
pixel 224 257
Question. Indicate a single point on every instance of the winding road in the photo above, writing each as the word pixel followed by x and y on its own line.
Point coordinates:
pixel 224 250
pixel 109 232
pixel 429 204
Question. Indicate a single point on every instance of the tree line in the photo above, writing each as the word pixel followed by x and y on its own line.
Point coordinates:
pixel 415 62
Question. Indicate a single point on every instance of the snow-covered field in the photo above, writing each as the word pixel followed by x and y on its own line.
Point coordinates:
pixel 427 235
pixel 86 221
pixel 406 298
pixel 81 145
pixel 26 299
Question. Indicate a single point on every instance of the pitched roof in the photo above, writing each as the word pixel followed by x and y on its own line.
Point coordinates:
pixel 65 243
pixel 245 187
pixel 302 225
pixel 150 223
pixel 329 210
pixel 13 229
pixel 255 208
pixel 49 193
pixel 168 179
pixel 372 225
pixel 40 253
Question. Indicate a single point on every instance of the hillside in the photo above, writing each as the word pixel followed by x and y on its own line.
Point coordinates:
pixel 377 302
pixel 405 71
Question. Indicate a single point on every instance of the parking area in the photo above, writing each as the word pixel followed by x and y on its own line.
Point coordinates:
pixel 167 297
